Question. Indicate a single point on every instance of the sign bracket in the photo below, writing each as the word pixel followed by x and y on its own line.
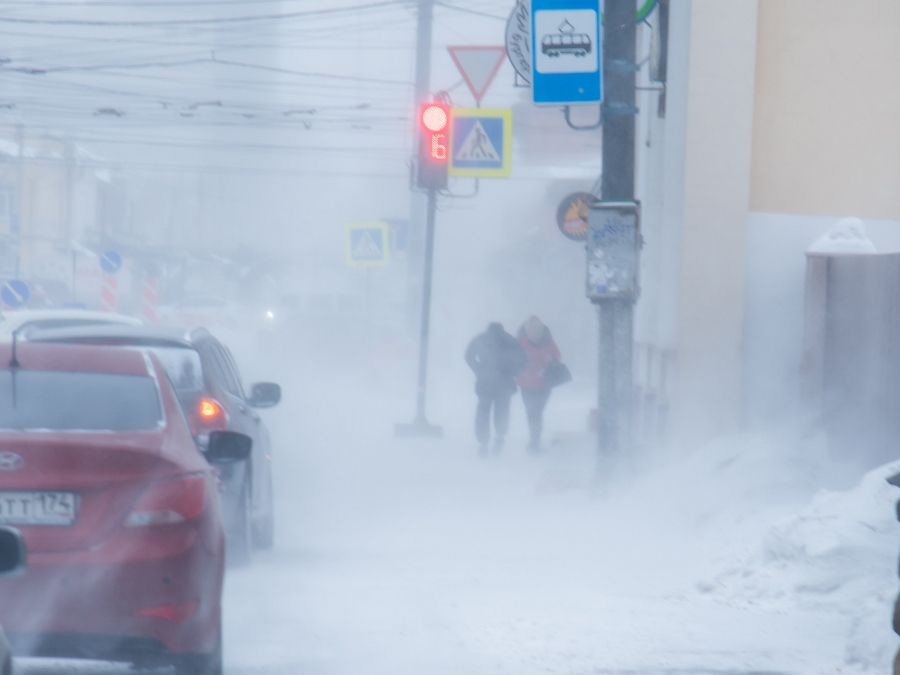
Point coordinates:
pixel 567 112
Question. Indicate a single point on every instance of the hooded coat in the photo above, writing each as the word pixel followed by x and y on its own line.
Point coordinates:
pixel 540 355
pixel 496 358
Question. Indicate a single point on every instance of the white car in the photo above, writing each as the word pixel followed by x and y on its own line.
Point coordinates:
pixel 25 320
pixel 12 560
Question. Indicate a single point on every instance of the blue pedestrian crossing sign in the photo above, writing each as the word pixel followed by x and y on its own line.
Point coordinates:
pixel 480 142
pixel 367 244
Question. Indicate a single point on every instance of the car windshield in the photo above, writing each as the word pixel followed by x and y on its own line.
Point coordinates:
pixel 58 400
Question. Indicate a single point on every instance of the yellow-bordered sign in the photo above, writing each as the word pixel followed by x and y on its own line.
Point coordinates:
pixel 367 244
pixel 480 142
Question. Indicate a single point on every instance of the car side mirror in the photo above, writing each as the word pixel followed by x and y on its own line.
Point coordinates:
pixel 264 395
pixel 227 447
pixel 12 551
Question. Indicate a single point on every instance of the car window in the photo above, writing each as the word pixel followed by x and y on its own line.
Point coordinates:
pixel 216 369
pixel 235 373
pixel 231 384
pixel 185 372
pixel 55 400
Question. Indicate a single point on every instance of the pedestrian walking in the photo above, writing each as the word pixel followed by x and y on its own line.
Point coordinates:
pixel 496 358
pixel 542 352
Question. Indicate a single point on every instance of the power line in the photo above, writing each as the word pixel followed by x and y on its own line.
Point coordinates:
pixel 35 70
pixel 195 22
pixel 466 10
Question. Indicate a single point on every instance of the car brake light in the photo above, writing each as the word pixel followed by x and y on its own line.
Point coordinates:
pixel 209 415
pixel 169 501
pixel 174 613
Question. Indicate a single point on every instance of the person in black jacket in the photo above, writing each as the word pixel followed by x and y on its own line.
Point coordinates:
pixel 496 358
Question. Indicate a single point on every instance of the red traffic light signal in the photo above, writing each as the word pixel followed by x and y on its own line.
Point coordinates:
pixel 434 121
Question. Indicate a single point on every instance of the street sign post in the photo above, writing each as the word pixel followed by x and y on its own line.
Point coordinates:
pixel 480 143
pixel 478 66
pixel 367 244
pixel 565 52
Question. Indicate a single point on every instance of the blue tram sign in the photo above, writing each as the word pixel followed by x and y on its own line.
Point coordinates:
pixel 565 52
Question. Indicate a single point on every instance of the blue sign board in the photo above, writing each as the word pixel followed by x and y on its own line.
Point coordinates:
pixel 480 142
pixel 15 293
pixel 111 262
pixel 566 52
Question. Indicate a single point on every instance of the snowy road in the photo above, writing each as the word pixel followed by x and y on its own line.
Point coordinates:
pixel 412 557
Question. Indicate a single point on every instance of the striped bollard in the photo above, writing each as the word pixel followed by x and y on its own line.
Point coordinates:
pixel 108 293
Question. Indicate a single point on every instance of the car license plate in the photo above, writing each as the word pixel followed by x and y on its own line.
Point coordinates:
pixel 37 508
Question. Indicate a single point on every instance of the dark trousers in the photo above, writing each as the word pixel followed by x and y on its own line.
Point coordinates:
pixel 500 404
pixel 535 401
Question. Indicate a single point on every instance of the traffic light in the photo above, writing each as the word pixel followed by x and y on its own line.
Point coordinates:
pixel 434 125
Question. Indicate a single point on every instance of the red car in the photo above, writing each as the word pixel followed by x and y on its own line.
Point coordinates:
pixel 119 510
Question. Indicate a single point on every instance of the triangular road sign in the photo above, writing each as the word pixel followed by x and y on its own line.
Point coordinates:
pixel 365 248
pixel 478 66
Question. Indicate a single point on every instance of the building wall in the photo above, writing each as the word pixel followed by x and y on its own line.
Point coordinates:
pixel 826 136
pixel 826 144
pixel 716 196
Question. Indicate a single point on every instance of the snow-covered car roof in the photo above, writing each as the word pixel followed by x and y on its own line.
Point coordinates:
pixel 24 320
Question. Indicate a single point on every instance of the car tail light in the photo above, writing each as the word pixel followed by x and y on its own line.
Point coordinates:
pixel 169 501
pixel 209 415
pixel 174 613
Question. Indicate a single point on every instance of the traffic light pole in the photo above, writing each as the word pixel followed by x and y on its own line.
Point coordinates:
pixel 420 425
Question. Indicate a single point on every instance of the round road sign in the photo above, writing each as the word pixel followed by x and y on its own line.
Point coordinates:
pixel 572 215
pixel 15 293
pixel 111 262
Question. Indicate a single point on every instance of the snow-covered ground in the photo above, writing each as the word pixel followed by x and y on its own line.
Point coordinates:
pixel 406 557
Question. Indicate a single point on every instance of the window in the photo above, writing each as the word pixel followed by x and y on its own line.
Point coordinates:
pixel 57 400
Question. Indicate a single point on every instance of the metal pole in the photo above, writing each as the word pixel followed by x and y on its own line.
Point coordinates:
pixel 420 425
pixel 426 308
pixel 416 202
pixel 616 317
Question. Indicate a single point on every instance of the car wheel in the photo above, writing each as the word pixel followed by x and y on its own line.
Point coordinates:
pixel 240 537
pixel 203 664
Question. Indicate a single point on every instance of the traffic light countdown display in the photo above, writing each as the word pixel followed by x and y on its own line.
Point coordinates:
pixel 434 124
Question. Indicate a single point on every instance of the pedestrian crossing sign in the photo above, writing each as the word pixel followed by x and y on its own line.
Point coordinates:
pixel 480 142
pixel 366 244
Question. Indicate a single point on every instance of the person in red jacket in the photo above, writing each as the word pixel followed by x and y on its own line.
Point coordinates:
pixel 541 351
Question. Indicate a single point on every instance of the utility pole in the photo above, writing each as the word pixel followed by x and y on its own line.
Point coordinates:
pixel 616 315
pixel 432 176
pixel 417 203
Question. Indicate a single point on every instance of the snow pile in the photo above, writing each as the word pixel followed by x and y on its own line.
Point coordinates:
pixel 838 554
pixel 848 235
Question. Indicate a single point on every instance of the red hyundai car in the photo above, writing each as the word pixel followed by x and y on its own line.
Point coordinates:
pixel 119 510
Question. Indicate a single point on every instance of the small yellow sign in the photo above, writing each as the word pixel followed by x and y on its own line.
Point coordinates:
pixel 367 244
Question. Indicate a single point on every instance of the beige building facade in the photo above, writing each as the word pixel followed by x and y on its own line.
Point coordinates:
pixel 781 116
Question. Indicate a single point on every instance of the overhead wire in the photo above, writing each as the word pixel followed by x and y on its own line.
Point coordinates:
pixel 195 22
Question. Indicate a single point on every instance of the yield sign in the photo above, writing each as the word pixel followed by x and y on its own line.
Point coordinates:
pixel 478 66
